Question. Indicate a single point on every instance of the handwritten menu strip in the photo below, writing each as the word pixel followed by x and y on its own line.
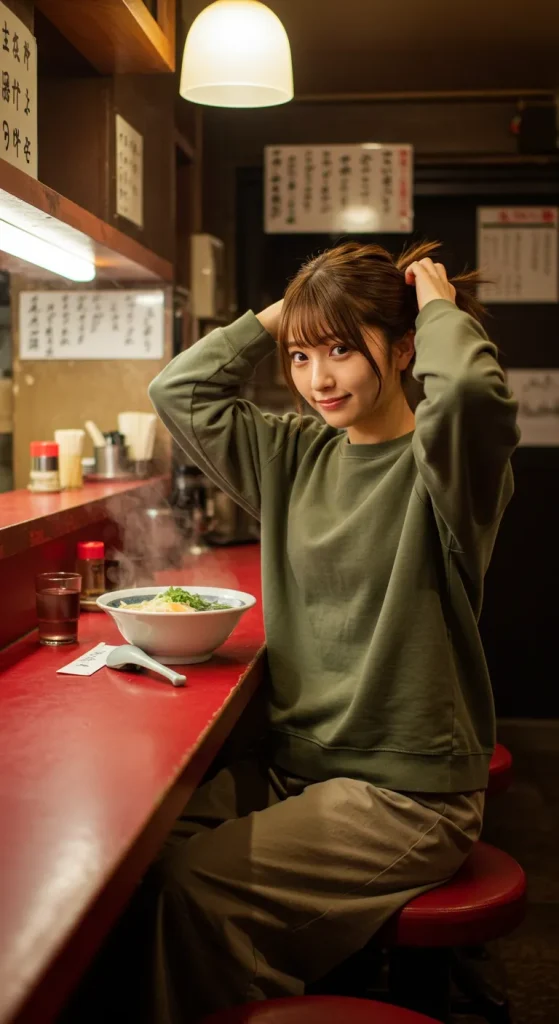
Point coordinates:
pixel 18 103
pixel 92 325
pixel 537 394
pixel 129 172
pixel 517 253
pixel 350 189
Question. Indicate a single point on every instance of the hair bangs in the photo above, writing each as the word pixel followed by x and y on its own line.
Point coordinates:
pixel 312 316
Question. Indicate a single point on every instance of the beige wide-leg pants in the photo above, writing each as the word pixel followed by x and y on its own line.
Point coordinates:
pixel 268 882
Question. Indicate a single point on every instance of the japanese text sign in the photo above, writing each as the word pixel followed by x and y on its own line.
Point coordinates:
pixel 92 325
pixel 129 172
pixel 18 103
pixel 517 253
pixel 360 189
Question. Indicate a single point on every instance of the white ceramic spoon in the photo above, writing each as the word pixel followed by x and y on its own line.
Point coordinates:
pixel 127 654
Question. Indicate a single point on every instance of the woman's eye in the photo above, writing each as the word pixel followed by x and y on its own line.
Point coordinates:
pixel 298 357
pixel 340 350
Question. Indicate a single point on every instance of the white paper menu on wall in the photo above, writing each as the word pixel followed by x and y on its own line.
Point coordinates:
pixel 92 324
pixel 356 189
pixel 18 103
pixel 517 252
pixel 537 394
pixel 129 172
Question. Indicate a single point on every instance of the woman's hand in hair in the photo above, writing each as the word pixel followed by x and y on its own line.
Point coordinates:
pixel 430 282
pixel 270 318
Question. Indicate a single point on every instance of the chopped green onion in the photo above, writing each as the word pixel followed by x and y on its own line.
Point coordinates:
pixel 180 596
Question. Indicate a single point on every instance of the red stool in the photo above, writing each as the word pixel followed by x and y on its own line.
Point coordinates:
pixel 500 770
pixel 317 1010
pixel 483 901
pixel 470 963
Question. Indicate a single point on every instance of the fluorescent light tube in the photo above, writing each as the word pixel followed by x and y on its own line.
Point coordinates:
pixel 26 246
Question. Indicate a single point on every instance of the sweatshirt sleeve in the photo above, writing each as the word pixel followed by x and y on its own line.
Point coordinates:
pixel 198 398
pixel 466 427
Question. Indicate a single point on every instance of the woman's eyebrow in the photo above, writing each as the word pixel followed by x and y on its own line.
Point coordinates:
pixel 319 341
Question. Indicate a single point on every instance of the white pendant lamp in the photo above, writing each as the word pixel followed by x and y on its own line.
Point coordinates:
pixel 237 55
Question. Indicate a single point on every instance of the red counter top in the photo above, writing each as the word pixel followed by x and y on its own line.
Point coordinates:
pixel 27 519
pixel 93 772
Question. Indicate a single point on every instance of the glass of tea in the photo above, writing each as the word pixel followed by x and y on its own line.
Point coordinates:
pixel 58 607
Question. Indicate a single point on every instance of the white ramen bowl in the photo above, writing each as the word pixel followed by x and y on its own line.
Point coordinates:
pixel 176 638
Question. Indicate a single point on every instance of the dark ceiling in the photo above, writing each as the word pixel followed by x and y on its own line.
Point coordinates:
pixel 369 46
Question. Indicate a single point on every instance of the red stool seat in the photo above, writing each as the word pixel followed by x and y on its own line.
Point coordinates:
pixel 500 770
pixel 483 901
pixel 318 1010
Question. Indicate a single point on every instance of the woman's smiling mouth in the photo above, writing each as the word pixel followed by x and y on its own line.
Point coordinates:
pixel 333 403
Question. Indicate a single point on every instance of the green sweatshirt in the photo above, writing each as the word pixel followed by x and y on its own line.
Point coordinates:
pixel 373 555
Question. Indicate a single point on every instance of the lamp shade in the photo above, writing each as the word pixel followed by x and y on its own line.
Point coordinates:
pixel 237 55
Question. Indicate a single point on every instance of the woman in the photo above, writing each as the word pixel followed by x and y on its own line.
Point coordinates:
pixel 377 530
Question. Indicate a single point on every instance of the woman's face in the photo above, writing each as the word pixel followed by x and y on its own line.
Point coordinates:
pixel 341 384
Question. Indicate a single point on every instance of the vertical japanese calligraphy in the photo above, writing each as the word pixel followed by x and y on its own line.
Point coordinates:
pixel 275 181
pixel 18 96
pixel 129 172
pixel 325 183
pixel 92 325
pixel 354 189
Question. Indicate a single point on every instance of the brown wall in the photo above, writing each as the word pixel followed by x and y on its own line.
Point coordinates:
pixel 74 148
pixel 147 103
pixel 77 147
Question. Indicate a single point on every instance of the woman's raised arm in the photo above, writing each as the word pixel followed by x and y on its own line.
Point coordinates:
pixel 198 397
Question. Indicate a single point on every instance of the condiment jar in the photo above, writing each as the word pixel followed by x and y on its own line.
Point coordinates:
pixel 91 567
pixel 44 476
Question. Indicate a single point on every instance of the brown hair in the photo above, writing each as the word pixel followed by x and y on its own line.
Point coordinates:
pixel 353 286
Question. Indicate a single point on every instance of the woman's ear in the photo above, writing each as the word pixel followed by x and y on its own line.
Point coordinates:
pixel 404 350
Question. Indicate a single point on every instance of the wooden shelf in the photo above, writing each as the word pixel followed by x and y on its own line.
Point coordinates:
pixel 117 36
pixel 40 209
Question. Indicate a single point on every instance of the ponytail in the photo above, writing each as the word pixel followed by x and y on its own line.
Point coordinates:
pixel 465 283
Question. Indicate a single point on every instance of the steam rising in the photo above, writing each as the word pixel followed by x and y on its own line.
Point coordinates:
pixel 154 545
